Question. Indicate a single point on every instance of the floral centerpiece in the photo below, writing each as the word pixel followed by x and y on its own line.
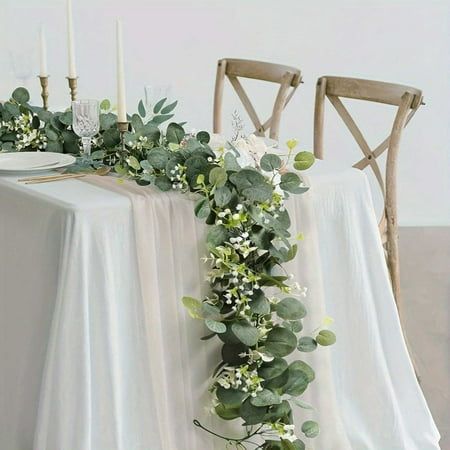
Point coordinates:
pixel 253 306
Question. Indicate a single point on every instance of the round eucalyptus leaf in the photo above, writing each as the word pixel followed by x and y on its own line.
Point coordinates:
pixel 218 176
pixel 325 338
pixel 310 429
pixel 272 369
pixel 278 412
pixel 21 95
pixel 290 309
pixel 301 366
pixel 217 327
pixel 175 133
pixel 265 398
pixel 306 344
pixel 231 397
pixel 105 105
pixel 280 342
pixel 217 235
pixel 222 195
pixel 227 413
pixel 251 414
pixel 202 208
pixel 297 382
pixel 193 306
pixel 270 162
pixel 246 333
pixel 163 183
pixel 304 160
pixel 203 137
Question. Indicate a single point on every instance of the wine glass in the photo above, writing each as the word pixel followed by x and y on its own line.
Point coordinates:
pixel 22 64
pixel 86 121
pixel 155 93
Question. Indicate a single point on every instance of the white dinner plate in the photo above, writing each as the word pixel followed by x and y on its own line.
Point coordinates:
pixel 33 161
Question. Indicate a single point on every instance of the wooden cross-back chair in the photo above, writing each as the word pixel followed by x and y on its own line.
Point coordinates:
pixel 407 99
pixel 287 77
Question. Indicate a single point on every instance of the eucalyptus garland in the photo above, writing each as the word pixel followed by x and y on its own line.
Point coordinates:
pixel 253 307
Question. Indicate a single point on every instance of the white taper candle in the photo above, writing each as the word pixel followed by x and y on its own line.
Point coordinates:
pixel 43 72
pixel 121 97
pixel 70 41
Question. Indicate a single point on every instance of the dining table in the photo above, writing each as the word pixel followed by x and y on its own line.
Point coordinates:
pixel 97 351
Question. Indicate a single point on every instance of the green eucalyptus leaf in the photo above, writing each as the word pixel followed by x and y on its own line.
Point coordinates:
pixel 246 333
pixel 203 137
pixel 227 413
pixel 231 163
pixel 158 157
pixel 290 309
pixel 265 398
pixel 21 95
pixel 163 183
pixel 270 162
pixel 12 109
pixel 304 160
pixel 159 105
pixel 105 105
pixel 141 109
pixel 54 146
pixel 169 108
pixel 202 208
pixel 36 123
pixel 137 123
pixel 175 133
pixel 107 121
pixel 222 195
pixel 231 354
pixel 217 235
pixel 272 369
pixel 251 414
pixel 310 429
pixel 133 162
pixel 280 342
pixel 66 118
pixel 161 118
pixel 298 380
pixel 306 344
pixel 111 137
pixel 325 338
pixel 231 397
pixel 260 305
pixel 218 176
pixel 193 306
pixel 217 327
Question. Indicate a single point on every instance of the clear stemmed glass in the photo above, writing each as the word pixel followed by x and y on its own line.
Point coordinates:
pixel 155 93
pixel 86 121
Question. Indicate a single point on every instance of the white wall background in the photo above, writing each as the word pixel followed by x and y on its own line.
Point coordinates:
pixel 178 43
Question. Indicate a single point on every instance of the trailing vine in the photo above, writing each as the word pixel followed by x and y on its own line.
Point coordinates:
pixel 253 307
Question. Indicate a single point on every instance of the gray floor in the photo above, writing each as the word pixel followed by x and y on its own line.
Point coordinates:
pixel 425 270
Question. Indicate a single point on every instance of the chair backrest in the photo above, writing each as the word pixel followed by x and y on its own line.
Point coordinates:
pixel 289 79
pixel 407 99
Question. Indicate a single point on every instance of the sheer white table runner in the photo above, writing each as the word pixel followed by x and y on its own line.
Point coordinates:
pixel 98 353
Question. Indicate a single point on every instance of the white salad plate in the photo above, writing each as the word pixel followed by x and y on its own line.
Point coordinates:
pixel 33 161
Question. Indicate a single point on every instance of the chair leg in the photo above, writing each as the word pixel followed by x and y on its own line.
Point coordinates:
pixel 394 270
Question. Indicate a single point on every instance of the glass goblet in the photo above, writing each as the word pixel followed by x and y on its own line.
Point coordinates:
pixel 86 121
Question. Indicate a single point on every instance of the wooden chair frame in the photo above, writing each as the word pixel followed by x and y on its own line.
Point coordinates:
pixel 408 100
pixel 289 79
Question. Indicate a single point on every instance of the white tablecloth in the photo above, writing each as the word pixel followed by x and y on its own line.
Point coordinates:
pixel 98 353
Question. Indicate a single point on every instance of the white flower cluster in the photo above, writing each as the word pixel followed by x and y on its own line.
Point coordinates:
pixel 285 432
pixel 232 219
pixel 26 135
pixel 242 378
pixel 178 177
pixel 141 143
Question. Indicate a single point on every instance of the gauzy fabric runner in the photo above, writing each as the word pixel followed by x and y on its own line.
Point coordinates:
pixel 125 368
